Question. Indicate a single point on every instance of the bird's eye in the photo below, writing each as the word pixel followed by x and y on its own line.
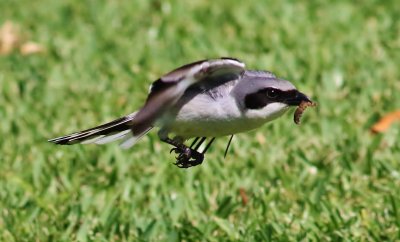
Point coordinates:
pixel 272 93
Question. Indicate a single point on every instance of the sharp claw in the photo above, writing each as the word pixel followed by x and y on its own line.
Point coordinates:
pixel 187 157
pixel 181 164
pixel 182 161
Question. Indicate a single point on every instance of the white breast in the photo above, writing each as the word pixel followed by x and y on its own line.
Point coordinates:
pixel 203 116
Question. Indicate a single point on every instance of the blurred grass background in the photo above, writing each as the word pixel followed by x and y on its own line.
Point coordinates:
pixel 327 179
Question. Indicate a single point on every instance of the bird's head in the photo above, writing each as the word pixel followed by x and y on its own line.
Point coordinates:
pixel 267 97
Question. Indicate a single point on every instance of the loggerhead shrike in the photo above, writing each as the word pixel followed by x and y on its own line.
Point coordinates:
pixel 204 99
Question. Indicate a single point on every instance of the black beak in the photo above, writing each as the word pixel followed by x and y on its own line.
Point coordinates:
pixel 296 99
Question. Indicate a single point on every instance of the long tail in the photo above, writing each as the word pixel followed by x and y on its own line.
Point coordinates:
pixel 119 129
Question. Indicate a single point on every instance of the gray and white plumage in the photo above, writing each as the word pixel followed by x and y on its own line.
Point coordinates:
pixel 209 98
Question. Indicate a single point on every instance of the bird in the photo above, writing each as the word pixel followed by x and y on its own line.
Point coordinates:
pixel 202 100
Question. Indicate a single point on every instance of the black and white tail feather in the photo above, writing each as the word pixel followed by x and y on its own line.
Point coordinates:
pixel 118 129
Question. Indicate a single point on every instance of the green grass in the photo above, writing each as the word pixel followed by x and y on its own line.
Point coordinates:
pixel 328 179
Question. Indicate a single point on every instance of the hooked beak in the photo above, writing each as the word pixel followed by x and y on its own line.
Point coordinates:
pixel 297 99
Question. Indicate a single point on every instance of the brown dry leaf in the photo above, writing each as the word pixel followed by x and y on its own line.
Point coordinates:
pixel 243 195
pixel 10 37
pixel 30 48
pixel 384 123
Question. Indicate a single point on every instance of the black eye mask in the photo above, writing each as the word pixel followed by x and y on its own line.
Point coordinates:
pixel 266 96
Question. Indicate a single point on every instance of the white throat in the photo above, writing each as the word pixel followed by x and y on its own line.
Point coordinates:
pixel 268 113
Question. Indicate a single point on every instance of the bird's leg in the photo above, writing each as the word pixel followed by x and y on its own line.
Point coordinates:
pixel 196 157
pixel 199 157
pixel 199 143
pixel 208 145
pixel 180 147
pixel 187 157
pixel 194 142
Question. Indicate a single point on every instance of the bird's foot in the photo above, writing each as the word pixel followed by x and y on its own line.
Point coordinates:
pixel 187 157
